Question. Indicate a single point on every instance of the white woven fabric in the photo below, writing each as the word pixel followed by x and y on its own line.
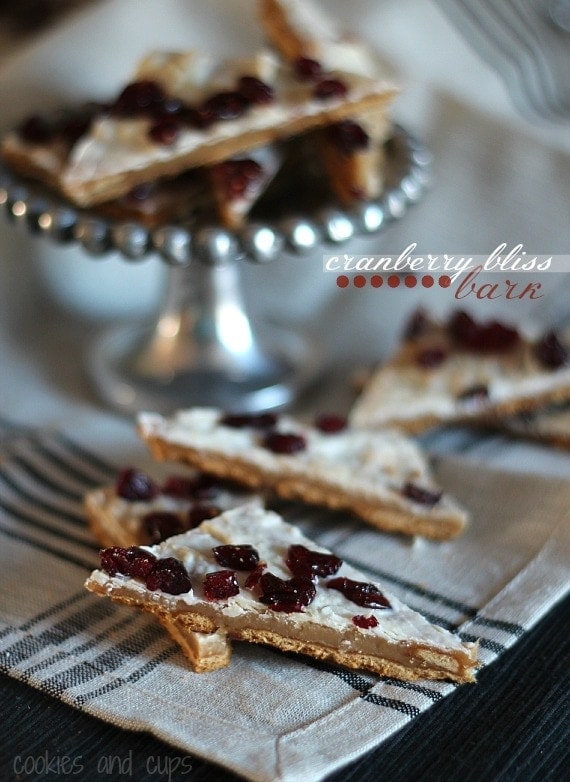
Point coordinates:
pixel 282 717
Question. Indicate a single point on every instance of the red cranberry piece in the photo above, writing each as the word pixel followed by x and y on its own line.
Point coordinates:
pixel 302 561
pixel 165 131
pixel 138 98
pixel 551 352
pixel 243 557
pixel 237 176
pixel 197 116
pixel 364 622
pixel 73 128
pixel 359 592
pixel 160 525
pixel 226 105
pixel 206 487
pixel 348 136
pixel 482 337
pixel 330 88
pixel 460 325
pixel 420 495
pixel 253 579
pixel 133 485
pixel 476 393
pixel 307 69
pixel 429 358
pixel 255 91
pixel 330 423
pixel 35 130
pixel 220 585
pixel 417 325
pixel 170 576
pixel 200 512
pixel 286 596
pixel 134 562
pixel 253 420
pixel 284 443
pixel 203 487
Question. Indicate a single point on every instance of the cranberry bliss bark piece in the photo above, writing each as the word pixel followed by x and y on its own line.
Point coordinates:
pixel 251 575
pixel 380 476
pixel 352 150
pixel 463 370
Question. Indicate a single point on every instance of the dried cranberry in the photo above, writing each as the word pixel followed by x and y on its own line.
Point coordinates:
pixel 364 622
pixel 253 579
pixel 73 128
pixel 160 525
pixel 165 131
pixel 225 105
pixel 133 485
pixel 206 487
pixel 551 352
pixel 302 561
pixel 243 557
pixel 220 585
pixel 482 337
pixel 348 136
pixel 429 358
pixel 359 592
pixel 284 443
pixel 35 130
pixel 477 393
pixel 198 117
pixel 236 177
pixel 329 423
pixel 307 69
pixel 287 596
pixel 330 88
pixel 138 98
pixel 255 91
pixel 417 325
pixel 202 511
pixel 253 420
pixel 179 486
pixel 134 562
pixel 170 576
pixel 420 495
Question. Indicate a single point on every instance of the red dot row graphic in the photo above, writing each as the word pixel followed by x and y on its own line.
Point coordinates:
pixel 393 281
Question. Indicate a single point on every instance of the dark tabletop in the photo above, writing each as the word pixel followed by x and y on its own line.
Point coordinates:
pixel 513 725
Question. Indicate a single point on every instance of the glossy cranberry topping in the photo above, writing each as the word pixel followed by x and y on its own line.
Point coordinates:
pixel 220 585
pixel 35 130
pixel 199 117
pixel 243 557
pixel 348 136
pixel 330 423
pixel 226 105
pixel 302 561
pixel 330 88
pixel 482 337
pixel 417 325
pixel 138 98
pixel 359 592
pixel 253 420
pixel 429 358
pixel 202 487
pixel 236 177
pixel 160 525
pixel 255 91
pixel 284 443
pixel 134 562
pixel 165 131
pixel 200 512
pixel 287 596
pixel 253 579
pixel 420 495
pixel 133 485
pixel 364 622
pixel 551 352
pixel 170 576
pixel 307 69
pixel 73 128
pixel 476 393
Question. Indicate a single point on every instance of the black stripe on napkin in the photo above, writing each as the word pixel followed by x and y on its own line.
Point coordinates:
pixel 27 518
pixel 23 493
pixel 498 624
pixel 84 564
pixel 392 703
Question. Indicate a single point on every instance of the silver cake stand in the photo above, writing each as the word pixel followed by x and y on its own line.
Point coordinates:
pixel 203 347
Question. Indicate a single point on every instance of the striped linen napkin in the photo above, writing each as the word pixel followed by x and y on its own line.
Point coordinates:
pixel 281 717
